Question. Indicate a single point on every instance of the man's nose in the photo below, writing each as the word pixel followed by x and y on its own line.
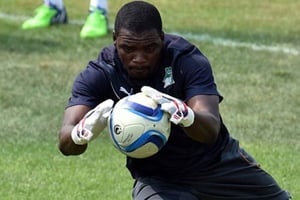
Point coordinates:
pixel 139 57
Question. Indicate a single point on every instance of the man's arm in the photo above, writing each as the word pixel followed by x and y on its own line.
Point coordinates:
pixel 72 116
pixel 206 125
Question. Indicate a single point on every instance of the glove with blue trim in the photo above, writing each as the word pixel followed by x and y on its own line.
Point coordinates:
pixel 179 112
pixel 92 123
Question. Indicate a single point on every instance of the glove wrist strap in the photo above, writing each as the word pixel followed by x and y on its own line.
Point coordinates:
pixel 189 119
pixel 75 137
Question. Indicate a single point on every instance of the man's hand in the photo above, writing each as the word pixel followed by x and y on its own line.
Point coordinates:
pixel 92 123
pixel 180 113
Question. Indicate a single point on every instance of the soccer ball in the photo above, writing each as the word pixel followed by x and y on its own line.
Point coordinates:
pixel 138 127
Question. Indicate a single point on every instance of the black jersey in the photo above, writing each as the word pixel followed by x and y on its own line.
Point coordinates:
pixel 183 73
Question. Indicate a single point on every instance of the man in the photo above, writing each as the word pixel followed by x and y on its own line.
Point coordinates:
pixel 200 159
pixel 54 12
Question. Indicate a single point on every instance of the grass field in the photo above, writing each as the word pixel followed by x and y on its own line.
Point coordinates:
pixel 253 47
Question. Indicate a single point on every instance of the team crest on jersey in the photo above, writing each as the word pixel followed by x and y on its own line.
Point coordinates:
pixel 168 78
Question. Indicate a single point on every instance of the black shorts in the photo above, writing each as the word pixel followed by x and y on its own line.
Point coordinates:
pixel 236 177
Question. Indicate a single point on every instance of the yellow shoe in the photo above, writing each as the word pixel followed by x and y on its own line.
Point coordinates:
pixel 46 16
pixel 95 25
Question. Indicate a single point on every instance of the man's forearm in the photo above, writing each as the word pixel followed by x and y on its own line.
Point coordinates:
pixel 66 144
pixel 205 128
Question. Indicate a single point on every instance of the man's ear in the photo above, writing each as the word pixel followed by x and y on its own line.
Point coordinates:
pixel 114 37
pixel 162 36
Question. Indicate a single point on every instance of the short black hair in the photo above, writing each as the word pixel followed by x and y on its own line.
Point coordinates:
pixel 138 16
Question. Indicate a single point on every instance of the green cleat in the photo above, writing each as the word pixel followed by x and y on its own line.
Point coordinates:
pixel 46 16
pixel 95 25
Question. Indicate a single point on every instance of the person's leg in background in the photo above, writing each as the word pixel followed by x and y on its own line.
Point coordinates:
pixel 54 12
pixel 96 24
pixel 51 12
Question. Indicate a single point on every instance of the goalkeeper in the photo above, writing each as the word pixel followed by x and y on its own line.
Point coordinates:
pixel 200 160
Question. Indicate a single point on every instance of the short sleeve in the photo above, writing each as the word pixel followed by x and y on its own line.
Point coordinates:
pixel 89 88
pixel 198 76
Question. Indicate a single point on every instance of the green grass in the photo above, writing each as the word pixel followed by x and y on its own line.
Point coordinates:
pixel 261 89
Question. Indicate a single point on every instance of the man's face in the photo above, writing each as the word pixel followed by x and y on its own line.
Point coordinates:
pixel 139 52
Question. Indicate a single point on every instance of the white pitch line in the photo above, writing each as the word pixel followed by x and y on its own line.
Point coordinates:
pixel 197 37
pixel 232 43
pixel 7 16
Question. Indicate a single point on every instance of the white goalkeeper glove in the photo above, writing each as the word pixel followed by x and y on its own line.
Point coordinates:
pixel 92 123
pixel 180 113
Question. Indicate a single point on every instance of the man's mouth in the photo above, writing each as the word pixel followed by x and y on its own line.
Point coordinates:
pixel 139 71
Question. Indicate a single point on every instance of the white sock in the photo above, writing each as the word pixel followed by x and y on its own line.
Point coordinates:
pixel 99 4
pixel 59 4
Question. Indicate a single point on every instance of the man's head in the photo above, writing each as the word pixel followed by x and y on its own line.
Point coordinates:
pixel 138 37
pixel 138 16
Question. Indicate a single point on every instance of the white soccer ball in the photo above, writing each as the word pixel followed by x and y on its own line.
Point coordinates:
pixel 138 127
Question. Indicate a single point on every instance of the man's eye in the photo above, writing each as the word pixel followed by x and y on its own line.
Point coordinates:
pixel 127 49
pixel 150 48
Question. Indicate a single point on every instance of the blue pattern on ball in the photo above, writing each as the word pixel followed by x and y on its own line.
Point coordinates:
pixel 144 111
pixel 150 136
